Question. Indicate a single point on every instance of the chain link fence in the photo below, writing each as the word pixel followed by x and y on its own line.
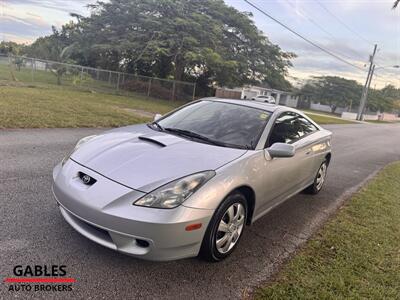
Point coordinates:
pixel 34 70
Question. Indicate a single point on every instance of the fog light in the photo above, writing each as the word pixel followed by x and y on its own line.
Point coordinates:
pixel 142 243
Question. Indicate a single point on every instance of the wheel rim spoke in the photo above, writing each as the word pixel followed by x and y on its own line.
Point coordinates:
pixel 228 244
pixel 221 241
pixel 240 221
pixel 321 176
pixel 235 236
pixel 223 226
pixel 239 212
pixel 231 212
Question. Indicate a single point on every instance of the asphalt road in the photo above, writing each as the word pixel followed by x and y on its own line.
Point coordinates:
pixel 33 231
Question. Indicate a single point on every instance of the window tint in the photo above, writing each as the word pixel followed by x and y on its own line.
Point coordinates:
pixel 223 122
pixel 290 127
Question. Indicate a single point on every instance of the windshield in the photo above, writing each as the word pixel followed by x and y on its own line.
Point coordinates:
pixel 225 124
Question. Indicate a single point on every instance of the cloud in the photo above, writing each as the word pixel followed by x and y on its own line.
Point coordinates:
pixel 23 30
pixel 305 68
pixel 36 22
pixel 21 27
pixel 74 6
pixel 373 21
pixel 341 48
pixel 30 19
pixel 20 39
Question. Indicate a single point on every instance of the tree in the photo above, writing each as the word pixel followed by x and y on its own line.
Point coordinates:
pixel 183 40
pixel 7 48
pixel 333 91
pixel 341 92
pixel 12 49
pixel 57 47
pixel 384 99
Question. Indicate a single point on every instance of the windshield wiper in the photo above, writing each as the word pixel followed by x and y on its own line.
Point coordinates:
pixel 195 135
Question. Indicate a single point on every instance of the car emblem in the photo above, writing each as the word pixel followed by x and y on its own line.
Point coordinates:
pixel 86 179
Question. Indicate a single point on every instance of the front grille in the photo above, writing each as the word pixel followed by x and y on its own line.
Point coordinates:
pixel 100 230
pixel 97 231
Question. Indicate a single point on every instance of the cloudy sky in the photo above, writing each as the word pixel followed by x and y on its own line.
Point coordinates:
pixel 348 28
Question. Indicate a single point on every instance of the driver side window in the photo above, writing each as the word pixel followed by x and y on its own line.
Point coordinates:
pixel 289 127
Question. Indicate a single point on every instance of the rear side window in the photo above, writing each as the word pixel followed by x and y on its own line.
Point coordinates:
pixel 289 127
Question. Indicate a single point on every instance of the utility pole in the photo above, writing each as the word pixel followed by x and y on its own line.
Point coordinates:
pixel 364 94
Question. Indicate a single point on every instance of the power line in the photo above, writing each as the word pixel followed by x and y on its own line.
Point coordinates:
pixel 343 23
pixel 311 20
pixel 304 38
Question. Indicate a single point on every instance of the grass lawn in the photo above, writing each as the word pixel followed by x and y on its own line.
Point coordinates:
pixel 328 120
pixel 25 75
pixel 381 122
pixel 356 255
pixel 23 106
pixel 311 111
pixel 42 77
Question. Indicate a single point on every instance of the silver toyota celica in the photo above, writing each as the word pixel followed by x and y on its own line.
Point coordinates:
pixel 188 183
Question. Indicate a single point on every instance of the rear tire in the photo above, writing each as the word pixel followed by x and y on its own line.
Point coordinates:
pixel 225 228
pixel 319 179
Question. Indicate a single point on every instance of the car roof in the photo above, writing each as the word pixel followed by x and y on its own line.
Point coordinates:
pixel 250 103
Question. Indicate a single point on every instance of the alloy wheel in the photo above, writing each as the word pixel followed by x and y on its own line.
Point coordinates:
pixel 230 228
pixel 321 176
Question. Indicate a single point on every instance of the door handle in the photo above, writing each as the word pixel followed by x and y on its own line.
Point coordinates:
pixel 308 152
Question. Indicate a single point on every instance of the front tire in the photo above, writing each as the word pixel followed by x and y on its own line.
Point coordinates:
pixel 225 229
pixel 319 179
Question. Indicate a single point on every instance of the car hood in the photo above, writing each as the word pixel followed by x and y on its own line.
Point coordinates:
pixel 144 159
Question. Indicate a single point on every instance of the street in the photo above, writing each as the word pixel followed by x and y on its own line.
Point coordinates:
pixel 33 231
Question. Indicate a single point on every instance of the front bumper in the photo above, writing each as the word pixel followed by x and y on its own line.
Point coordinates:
pixel 104 213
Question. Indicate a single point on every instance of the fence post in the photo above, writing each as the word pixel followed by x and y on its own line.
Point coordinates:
pixel 81 76
pixel 97 74
pixel 173 91
pixel 119 74
pixel 109 78
pixel 194 91
pixel 148 89
pixel 32 60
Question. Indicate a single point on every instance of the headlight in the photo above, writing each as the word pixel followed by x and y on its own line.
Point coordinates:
pixel 176 192
pixel 77 146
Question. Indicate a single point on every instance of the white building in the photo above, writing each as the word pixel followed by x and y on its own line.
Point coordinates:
pixel 249 92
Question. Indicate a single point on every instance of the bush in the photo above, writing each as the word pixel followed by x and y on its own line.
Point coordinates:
pixel 140 86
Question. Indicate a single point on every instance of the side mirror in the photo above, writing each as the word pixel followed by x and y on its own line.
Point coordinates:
pixel 157 116
pixel 281 150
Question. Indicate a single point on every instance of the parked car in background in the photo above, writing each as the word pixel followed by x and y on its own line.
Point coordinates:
pixel 265 98
pixel 189 182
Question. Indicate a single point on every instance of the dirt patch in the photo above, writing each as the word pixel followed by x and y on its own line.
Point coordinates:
pixel 12 83
pixel 140 113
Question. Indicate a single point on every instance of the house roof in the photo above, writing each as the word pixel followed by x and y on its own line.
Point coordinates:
pixel 254 87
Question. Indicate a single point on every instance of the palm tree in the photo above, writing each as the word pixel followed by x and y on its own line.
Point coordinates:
pixel 59 68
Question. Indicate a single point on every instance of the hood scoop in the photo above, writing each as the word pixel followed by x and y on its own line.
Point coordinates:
pixel 148 139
